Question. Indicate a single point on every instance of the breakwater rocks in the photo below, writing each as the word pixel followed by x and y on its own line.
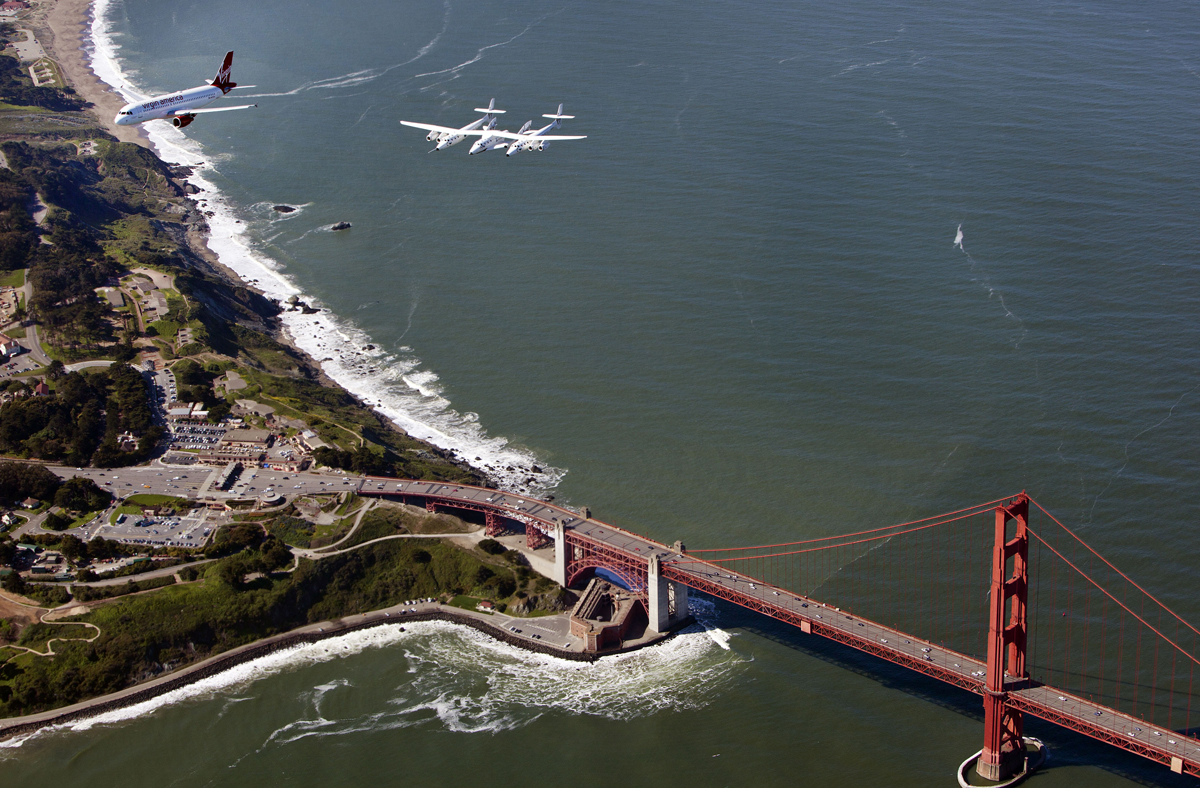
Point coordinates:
pixel 23 726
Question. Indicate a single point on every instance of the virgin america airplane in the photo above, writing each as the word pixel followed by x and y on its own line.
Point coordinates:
pixel 183 107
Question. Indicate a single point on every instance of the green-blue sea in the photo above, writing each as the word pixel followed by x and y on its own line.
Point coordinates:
pixel 817 267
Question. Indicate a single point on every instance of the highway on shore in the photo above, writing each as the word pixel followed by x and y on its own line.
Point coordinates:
pixel 192 481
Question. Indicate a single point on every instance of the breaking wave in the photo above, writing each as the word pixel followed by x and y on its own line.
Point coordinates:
pixel 464 681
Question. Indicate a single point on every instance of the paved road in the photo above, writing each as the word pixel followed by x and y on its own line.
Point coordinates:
pixel 88 365
pixel 164 572
pixel 31 342
pixel 187 481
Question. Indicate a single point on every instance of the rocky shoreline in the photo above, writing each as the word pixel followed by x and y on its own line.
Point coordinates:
pixel 24 726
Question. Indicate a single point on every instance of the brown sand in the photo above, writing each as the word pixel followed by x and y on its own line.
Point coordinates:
pixel 16 611
pixel 59 25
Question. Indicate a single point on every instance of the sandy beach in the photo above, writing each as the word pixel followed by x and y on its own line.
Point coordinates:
pixel 60 25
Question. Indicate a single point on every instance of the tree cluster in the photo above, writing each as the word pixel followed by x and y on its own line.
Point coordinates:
pixel 361 460
pixel 80 424
pixel 19 481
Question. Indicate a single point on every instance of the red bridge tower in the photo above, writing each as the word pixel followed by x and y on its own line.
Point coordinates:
pixel 1003 753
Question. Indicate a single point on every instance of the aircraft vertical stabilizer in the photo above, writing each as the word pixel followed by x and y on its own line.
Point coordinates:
pixel 221 80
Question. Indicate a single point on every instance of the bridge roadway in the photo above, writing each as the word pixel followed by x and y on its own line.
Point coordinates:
pixel 811 616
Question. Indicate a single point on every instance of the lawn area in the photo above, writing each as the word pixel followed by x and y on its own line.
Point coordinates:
pixel 328 534
pixel 165 328
pixel 13 278
pixel 18 107
pixel 467 603
pixel 150 499
pixel 83 519
pixel 16 333
pixel 134 511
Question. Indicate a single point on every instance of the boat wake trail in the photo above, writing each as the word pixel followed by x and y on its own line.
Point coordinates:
pixel 985 283
pixel 479 53
pixel 1132 440
pixel 367 74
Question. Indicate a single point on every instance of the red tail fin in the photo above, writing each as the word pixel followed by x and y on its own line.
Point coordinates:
pixel 222 79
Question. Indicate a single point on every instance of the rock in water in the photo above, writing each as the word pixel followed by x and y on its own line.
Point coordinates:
pixel 282 208
pixel 341 226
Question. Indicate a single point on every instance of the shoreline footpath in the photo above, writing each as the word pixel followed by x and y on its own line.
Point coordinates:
pixel 312 633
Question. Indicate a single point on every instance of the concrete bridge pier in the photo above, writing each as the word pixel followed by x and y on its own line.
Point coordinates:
pixel 560 555
pixel 666 600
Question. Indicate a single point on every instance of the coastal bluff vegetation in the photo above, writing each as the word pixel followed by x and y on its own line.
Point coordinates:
pixel 83 217
pixel 105 208
pixel 228 603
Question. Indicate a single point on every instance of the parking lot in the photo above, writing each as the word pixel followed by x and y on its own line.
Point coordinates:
pixel 194 436
pixel 22 363
pixel 189 531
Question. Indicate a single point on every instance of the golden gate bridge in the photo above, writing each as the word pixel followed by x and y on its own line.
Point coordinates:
pixel 1033 620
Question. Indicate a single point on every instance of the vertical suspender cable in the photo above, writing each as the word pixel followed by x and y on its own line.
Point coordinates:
pixel 1187 723
pixel 1087 631
pixel 1174 661
pixel 1071 612
pixel 1137 667
pixel 1154 685
pixel 1103 644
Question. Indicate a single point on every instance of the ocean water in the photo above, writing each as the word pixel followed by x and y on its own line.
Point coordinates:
pixel 816 268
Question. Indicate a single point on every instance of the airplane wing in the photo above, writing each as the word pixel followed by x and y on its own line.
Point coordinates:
pixel 443 129
pixel 508 135
pixel 215 109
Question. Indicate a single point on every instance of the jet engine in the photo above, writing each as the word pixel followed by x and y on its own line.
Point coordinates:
pixel 541 146
pixel 179 121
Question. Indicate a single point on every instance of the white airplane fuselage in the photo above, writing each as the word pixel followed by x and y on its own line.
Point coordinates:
pixel 168 105
pixel 530 142
pixel 487 143
pixel 446 140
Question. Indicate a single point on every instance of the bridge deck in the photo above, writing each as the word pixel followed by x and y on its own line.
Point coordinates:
pixel 1070 711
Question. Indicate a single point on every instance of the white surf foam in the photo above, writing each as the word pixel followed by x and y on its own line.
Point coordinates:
pixel 235 677
pixel 468 682
pixel 392 383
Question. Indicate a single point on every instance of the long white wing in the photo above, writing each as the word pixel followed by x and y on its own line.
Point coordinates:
pixel 214 109
pixel 508 135
pixel 444 129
